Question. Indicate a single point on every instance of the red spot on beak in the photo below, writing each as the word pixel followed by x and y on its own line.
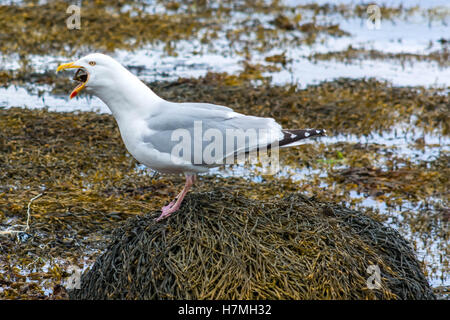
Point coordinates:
pixel 73 94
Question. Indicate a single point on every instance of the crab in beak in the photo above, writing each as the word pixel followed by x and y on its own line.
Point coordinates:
pixel 81 76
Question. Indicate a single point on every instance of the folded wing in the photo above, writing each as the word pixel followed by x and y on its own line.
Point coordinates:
pixel 209 133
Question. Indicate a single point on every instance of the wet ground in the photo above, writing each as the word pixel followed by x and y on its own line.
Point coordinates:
pixel 382 94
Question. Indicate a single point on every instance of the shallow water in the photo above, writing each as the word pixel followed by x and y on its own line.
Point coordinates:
pixel 414 35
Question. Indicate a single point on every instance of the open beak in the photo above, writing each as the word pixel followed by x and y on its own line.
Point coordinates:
pixel 82 76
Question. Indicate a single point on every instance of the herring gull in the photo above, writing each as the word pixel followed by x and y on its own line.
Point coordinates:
pixel 168 137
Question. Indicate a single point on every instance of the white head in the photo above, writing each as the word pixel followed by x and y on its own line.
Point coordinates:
pixel 96 71
pixel 117 87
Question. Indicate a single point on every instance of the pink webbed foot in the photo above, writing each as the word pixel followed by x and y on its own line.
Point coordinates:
pixel 170 205
pixel 166 211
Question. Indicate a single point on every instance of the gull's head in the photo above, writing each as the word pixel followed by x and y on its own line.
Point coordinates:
pixel 95 71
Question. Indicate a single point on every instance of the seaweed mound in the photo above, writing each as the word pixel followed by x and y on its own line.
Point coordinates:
pixel 222 246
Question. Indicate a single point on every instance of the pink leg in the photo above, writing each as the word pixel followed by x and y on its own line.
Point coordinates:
pixel 170 205
pixel 175 205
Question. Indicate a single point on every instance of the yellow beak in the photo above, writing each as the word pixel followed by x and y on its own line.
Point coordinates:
pixel 72 65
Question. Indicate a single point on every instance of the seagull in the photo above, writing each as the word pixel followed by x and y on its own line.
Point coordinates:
pixel 167 136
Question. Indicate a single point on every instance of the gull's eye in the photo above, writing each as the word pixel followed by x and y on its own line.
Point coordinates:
pixel 92 63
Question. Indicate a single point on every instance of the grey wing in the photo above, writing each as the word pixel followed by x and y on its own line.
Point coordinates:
pixel 207 106
pixel 205 134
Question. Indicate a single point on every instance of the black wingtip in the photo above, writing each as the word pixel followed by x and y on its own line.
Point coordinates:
pixel 292 136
